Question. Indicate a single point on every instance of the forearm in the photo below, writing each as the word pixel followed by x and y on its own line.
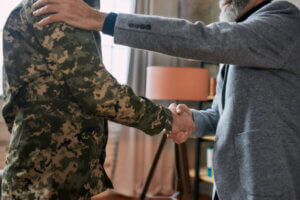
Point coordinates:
pixel 217 42
pixel 128 109
pixel 254 42
pixel 74 58
pixel 154 119
pixel 205 121
pixel 175 37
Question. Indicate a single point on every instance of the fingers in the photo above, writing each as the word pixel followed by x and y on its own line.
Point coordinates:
pixel 47 7
pixel 179 138
pixel 182 108
pixel 50 19
pixel 41 3
pixel 172 106
pixel 51 8
pixel 174 138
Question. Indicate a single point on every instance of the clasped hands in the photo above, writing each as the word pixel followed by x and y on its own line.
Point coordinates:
pixel 183 123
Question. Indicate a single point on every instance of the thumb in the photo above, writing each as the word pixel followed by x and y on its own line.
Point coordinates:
pixel 172 106
pixel 178 110
pixel 181 108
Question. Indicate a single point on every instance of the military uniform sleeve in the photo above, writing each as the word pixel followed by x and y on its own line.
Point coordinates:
pixel 74 56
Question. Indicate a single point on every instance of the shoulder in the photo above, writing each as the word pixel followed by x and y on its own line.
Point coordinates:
pixel 281 16
pixel 280 7
pixel 13 19
pixel 20 16
pixel 283 4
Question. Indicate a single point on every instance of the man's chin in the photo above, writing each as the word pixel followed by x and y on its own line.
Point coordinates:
pixel 231 9
pixel 228 13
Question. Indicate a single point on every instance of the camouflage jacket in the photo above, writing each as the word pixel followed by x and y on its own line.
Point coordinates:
pixel 58 97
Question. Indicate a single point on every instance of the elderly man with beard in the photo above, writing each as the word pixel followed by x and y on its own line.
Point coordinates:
pixel 255 113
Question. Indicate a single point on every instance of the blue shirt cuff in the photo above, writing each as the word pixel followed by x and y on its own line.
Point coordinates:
pixel 109 24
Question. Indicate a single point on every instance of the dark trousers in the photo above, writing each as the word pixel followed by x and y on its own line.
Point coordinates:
pixel 216 197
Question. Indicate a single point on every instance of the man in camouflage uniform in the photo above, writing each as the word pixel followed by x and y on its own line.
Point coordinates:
pixel 58 97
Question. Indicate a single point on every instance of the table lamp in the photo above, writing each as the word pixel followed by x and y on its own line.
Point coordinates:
pixel 176 83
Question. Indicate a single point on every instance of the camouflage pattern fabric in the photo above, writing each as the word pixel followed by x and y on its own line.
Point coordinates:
pixel 58 97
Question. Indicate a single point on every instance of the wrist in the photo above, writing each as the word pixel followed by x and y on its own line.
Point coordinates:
pixel 98 19
pixel 174 122
pixel 169 120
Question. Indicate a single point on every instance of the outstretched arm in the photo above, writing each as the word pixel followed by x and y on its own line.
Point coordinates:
pixel 74 57
pixel 261 41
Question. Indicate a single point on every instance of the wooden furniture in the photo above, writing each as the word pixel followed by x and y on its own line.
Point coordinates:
pixel 176 83
pixel 184 189
pixel 200 174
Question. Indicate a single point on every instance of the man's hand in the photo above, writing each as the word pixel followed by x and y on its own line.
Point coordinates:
pixel 183 124
pixel 73 12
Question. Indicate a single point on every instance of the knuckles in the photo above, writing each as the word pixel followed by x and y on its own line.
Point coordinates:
pixel 45 8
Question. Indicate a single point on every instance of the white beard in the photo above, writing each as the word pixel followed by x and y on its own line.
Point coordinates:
pixel 231 12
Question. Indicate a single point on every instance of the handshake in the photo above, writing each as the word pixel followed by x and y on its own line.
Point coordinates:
pixel 183 123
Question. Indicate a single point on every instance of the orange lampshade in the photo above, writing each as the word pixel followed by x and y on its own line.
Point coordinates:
pixel 177 83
